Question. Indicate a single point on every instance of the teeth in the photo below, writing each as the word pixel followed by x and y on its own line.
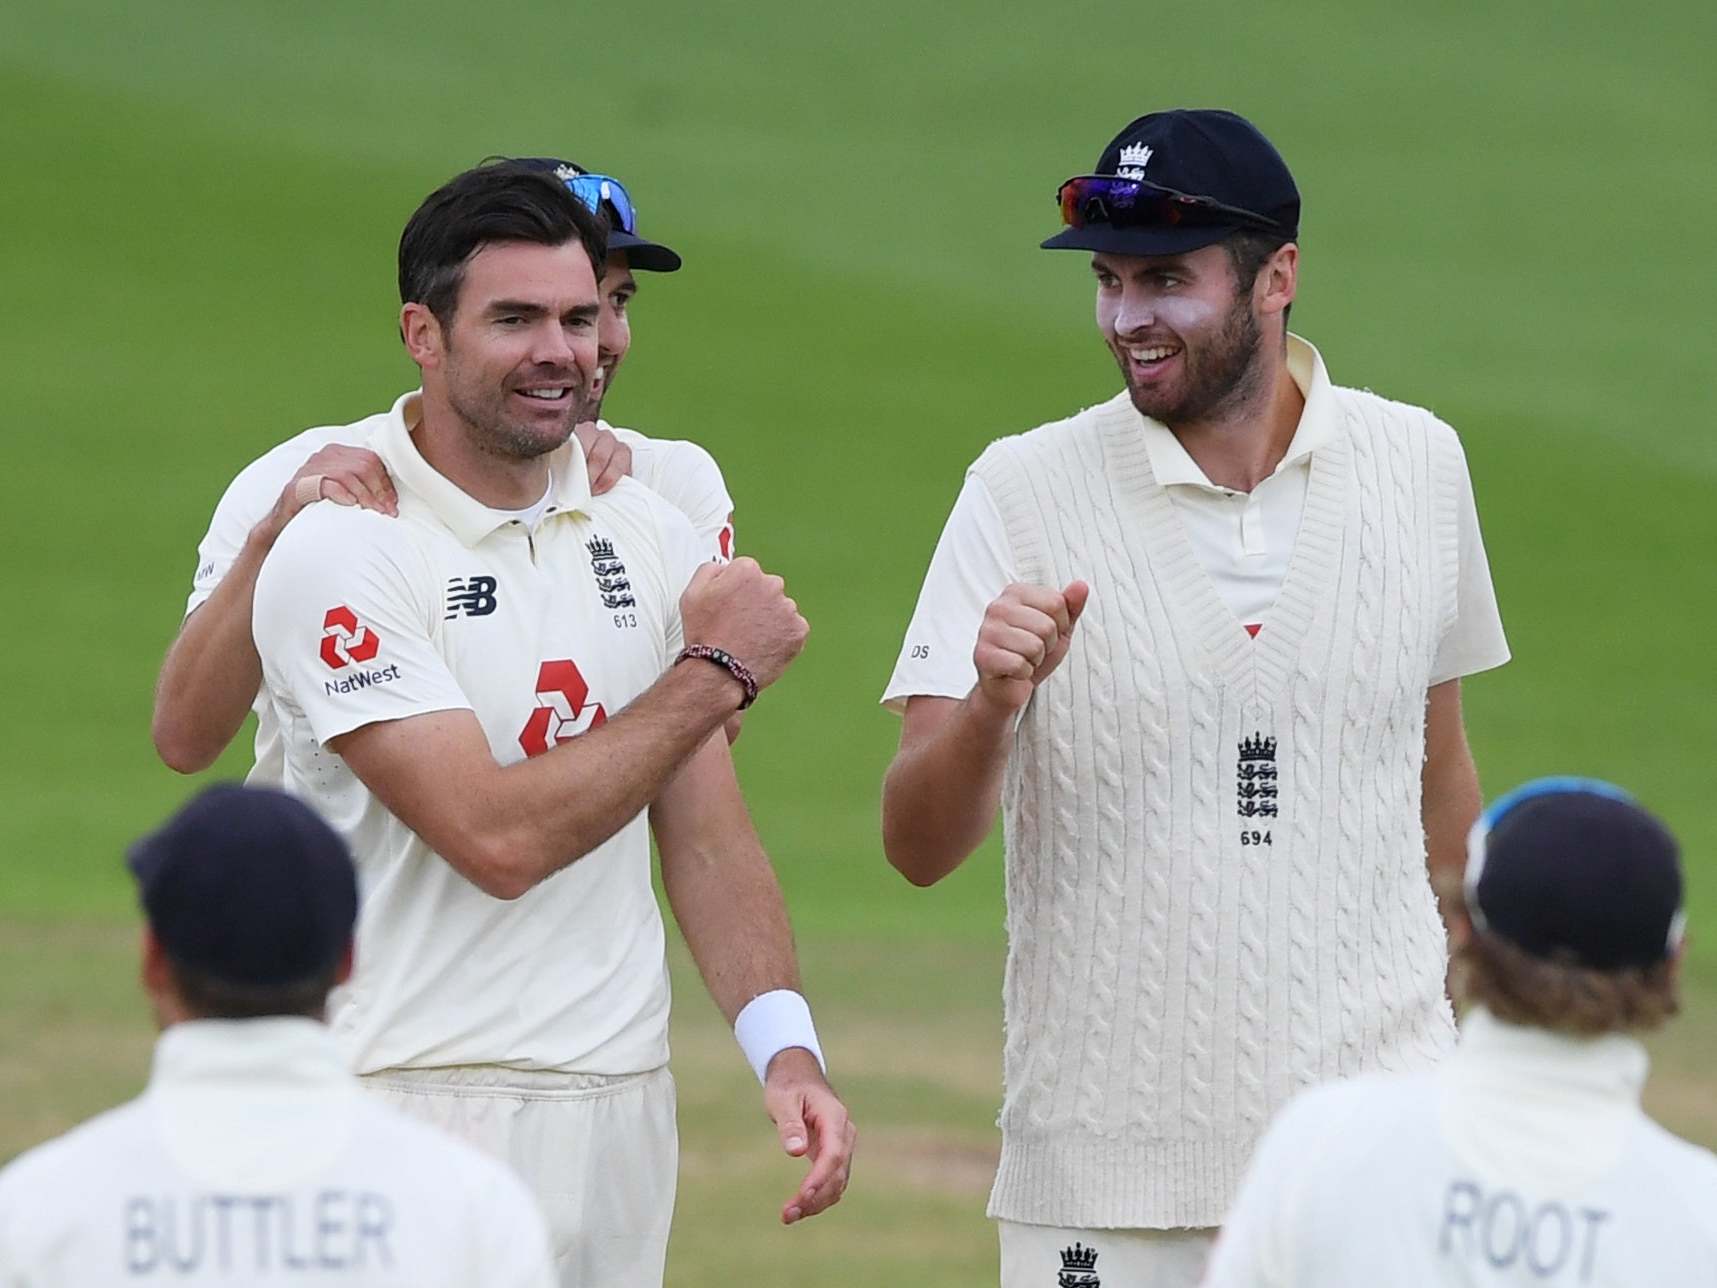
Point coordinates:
pixel 548 395
pixel 1154 354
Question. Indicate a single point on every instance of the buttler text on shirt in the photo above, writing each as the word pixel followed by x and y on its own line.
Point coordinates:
pixel 331 1230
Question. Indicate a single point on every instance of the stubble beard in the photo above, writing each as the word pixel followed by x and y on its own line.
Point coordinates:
pixel 495 433
pixel 1223 374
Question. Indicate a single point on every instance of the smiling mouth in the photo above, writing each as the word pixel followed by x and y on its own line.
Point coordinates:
pixel 545 393
pixel 1152 354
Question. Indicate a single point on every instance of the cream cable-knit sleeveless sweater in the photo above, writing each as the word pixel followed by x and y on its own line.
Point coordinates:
pixel 1216 877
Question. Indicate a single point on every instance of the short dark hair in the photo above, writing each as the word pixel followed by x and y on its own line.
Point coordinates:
pixel 498 201
pixel 1248 252
pixel 210 998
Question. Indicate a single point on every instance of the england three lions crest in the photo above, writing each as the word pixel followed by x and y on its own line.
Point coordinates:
pixel 1078 1268
pixel 612 583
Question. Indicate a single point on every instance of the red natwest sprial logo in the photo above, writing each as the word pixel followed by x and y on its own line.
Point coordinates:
pixel 345 640
pixel 565 709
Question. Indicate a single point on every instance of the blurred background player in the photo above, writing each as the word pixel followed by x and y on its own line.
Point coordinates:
pixel 497 695
pixel 254 1156
pixel 1203 645
pixel 212 676
pixel 1525 1158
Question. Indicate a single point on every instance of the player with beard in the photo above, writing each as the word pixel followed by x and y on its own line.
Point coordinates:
pixel 495 696
pixel 1202 646
pixel 211 676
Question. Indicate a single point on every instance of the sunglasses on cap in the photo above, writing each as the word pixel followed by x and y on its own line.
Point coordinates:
pixel 1133 203
pixel 596 189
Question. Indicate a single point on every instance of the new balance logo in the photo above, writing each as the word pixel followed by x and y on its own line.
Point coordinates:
pixel 472 596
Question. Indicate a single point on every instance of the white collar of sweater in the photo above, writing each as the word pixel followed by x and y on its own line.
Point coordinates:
pixel 1542 1110
pixel 1319 422
pixel 277 1050
pixel 252 1102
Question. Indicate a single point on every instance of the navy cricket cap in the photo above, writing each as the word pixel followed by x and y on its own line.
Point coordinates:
pixel 248 885
pixel 605 195
pixel 1203 154
pixel 1575 869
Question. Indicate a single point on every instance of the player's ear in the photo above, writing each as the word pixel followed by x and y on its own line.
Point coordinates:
pixel 153 970
pixel 348 959
pixel 1279 279
pixel 421 331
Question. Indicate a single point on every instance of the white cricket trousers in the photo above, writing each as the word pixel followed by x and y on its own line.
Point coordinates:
pixel 601 1154
pixel 1043 1256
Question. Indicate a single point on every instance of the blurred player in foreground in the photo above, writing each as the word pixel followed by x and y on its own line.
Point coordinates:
pixel 1525 1158
pixel 254 1156
pixel 487 694
pixel 212 676
pixel 1202 643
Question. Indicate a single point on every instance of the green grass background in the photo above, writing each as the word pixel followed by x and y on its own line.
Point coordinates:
pixel 1506 214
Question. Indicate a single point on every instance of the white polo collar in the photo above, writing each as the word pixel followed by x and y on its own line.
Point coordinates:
pixel 1173 466
pixel 465 516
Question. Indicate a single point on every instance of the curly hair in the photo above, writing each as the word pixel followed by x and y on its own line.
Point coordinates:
pixel 1556 994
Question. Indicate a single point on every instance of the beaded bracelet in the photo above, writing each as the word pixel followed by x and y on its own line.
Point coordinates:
pixel 728 662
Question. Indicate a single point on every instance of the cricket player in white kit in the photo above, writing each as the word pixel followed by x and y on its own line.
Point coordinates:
pixel 212 675
pixel 254 1156
pixel 1202 645
pixel 1525 1158
pixel 485 694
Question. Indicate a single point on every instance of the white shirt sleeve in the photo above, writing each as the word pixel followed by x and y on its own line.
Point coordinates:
pixel 249 498
pixel 242 506
pixel 343 621
pixel 688 478
pixel 972 565
pixel 1475 642
pixel 684 550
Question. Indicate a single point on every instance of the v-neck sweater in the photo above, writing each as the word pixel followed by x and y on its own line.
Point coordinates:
pixel 1215 861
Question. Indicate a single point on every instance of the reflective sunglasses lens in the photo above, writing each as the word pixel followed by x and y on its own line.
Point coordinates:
pixel 594 189
pixel 615 194
pixel 1124 203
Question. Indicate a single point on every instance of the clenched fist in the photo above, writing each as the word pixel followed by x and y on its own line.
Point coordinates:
pixel 1026 632
pixel 741 608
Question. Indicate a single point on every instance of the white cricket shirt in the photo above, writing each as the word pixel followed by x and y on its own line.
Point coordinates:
pixel 685 475
pixel 543 633
pixel 1524 1160
pixel 1243 541
pixel 254 1157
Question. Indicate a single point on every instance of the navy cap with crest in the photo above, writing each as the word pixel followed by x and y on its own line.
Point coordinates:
pixel 605 195
pixel 1576 870
pixel 249 886
pixel 1207 155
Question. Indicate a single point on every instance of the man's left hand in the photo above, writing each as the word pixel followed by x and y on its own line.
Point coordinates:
pixel 812 1123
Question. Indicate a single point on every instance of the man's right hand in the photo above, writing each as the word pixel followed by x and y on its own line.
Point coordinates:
pixel 1026 632
pixel 346 475
pixel 744 610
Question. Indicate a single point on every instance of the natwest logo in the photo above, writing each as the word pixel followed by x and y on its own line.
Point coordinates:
pixel 565 709
pixel 345 640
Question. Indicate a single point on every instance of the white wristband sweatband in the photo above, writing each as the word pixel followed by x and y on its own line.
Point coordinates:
pixel 770 1023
